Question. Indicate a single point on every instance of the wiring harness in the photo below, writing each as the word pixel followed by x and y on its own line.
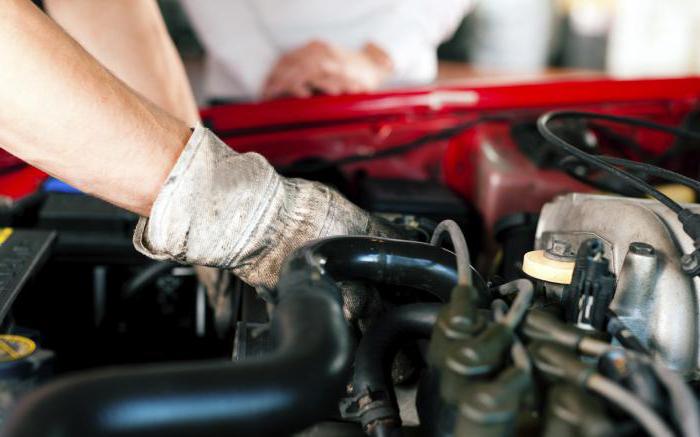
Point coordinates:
pixel 689 219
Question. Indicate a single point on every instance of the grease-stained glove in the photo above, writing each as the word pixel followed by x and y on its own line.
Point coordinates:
pixel 232 210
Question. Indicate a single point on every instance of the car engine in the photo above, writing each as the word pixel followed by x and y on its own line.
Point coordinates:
pixel 546 284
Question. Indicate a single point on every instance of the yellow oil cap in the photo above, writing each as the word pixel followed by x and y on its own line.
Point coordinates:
pixel 15 348
pixel 538 266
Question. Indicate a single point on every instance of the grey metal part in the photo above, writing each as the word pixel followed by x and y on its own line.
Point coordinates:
pixel 654 297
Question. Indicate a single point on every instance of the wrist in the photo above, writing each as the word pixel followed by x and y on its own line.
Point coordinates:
pixel 158 163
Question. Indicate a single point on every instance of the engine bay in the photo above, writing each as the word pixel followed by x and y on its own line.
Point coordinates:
pixel 546 282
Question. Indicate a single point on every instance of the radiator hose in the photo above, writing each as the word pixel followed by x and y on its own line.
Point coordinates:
pixel 371 382
pixel 298 384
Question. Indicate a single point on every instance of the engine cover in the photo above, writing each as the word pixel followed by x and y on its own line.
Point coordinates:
pixel 653 296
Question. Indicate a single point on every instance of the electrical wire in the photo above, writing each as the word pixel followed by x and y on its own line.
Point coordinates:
pixel 523 298
pixel 450 227
pixel 630 121
pixel 572 166
pixel 518 351
pixel 684 404
pixel 632 405
pixel 655 171
pixel 690 220
pixel 636 182
pixel 442 135
pixel 622 143
pixel 618 329
pixel 499 308
pixel 521 358
pixel 648 169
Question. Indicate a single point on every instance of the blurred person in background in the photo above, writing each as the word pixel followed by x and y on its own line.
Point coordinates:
pixel 274 48
pixel 632 38
pixel 654 38
pixel 512 36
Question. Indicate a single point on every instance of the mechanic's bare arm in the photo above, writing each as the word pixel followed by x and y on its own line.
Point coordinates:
pixel 130 39
pixel 61 111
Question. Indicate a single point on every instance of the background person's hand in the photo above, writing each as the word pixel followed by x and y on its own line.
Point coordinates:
pixel 319 67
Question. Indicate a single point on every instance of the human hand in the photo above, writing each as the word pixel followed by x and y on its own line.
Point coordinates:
pixel 233 211
pixel 319 67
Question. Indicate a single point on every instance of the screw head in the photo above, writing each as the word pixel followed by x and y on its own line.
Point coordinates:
pixel 560 250
pixel 690 264
pixel 688 261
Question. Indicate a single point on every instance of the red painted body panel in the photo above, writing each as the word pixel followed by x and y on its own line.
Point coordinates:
pixel 20 183
pixel 334 127
pixel 442 101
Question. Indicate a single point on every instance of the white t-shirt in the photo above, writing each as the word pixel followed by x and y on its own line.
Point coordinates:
pixel 655 38
pixel 244 38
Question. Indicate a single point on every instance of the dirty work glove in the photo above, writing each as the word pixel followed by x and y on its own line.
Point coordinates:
pixel 232 210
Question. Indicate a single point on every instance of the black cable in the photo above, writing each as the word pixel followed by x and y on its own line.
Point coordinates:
pixel 572 165
pixel 678 147
pixel 543 127
pixel 146 277
pixel 622 143
pixel 442 135
pixel 630 121
pixel 618 329
pixel 648 169
pixel 655 171
pixel 689 220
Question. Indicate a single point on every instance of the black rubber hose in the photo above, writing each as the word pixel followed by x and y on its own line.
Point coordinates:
pixel 385 431
pixel 299 384
pixel 295 386
pixel 381 342
pixel 379 345
pixel 393 262
pixel 146 277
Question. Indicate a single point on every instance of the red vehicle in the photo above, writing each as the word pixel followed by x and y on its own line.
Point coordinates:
pixel 566 324
pixel 336 128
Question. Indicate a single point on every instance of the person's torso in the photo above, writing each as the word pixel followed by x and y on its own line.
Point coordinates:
pixel 291 23
pixel 275 27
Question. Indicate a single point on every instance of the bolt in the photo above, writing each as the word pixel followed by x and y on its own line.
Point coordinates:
pixel 559 250
pixel 689 262
pixel 638 248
